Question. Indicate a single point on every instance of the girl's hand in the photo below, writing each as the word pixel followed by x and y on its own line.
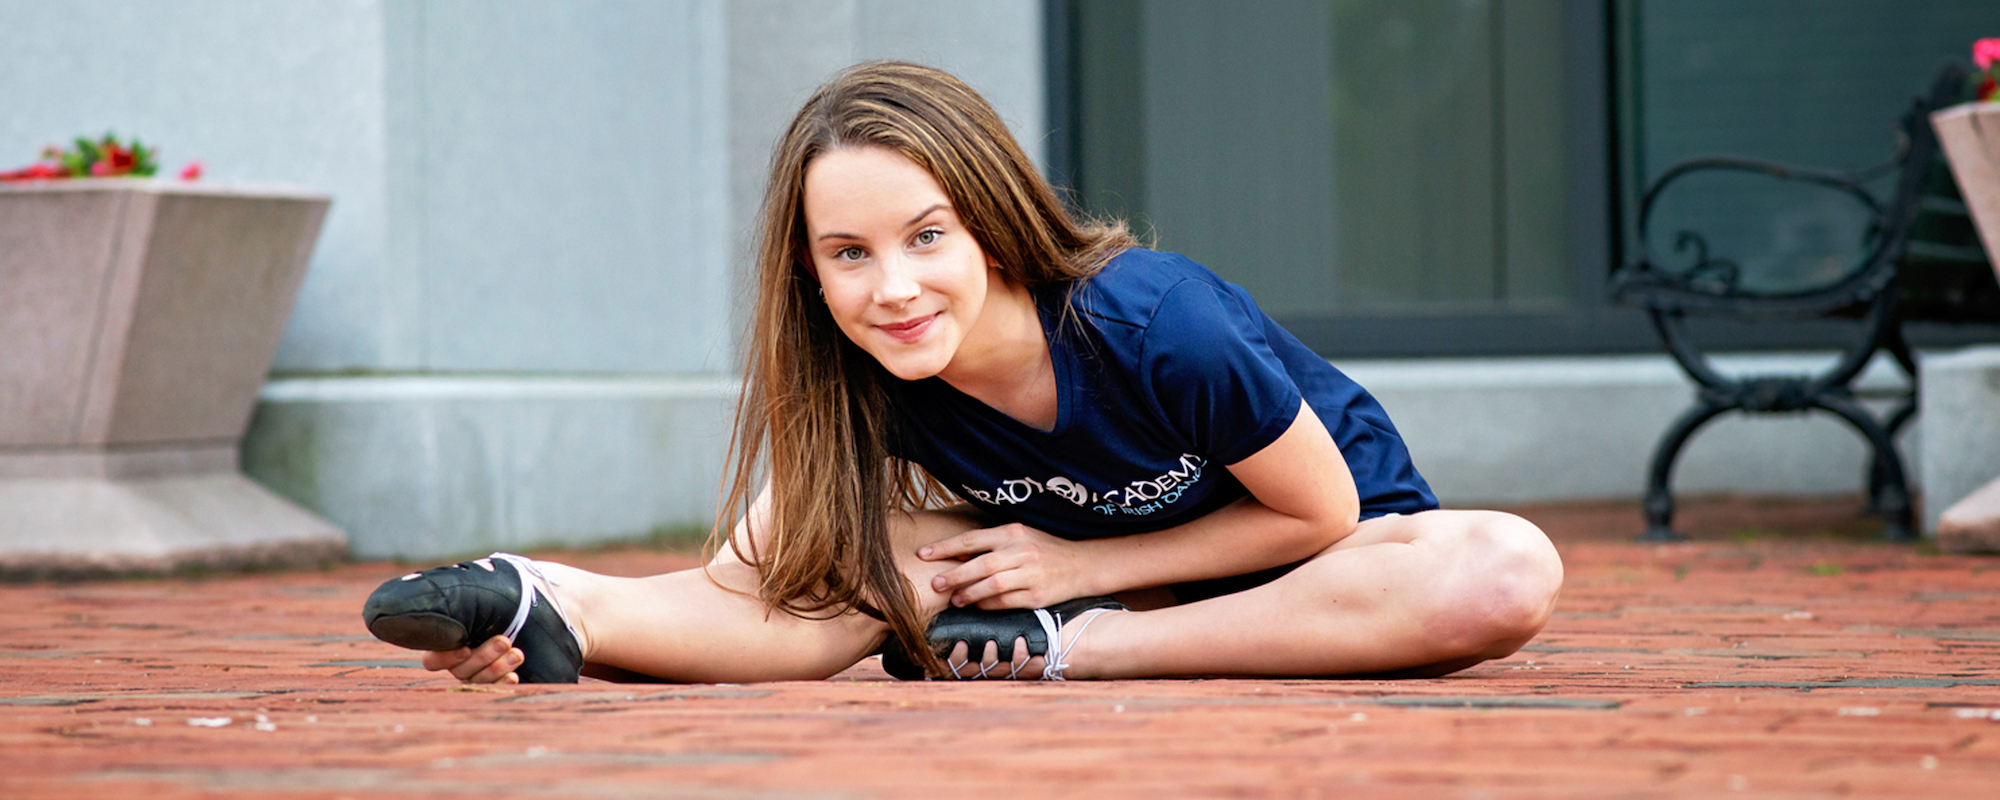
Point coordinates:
pixel 1012 566
pixel 491 662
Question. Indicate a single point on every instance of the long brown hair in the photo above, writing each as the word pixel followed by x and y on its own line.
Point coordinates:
pixel 815 417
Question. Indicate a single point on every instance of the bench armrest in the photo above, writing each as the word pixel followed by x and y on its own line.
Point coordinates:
pixel 1713 275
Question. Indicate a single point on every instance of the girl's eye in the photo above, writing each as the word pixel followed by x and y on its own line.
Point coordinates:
pixel 849 253
pixel 928 235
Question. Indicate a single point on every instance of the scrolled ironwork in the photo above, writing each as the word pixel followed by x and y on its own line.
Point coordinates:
pixel 1713 285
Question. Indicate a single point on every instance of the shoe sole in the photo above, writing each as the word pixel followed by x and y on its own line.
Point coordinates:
pixel 419 630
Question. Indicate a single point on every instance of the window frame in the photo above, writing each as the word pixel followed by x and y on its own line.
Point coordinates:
pixel 1600 88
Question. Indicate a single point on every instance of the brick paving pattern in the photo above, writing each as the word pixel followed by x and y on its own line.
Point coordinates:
pixel 1783 653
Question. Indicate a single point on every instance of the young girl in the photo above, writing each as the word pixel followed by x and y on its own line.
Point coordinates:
pixel 1155 478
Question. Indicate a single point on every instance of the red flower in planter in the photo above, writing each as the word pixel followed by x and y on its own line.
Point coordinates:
pixel 1985 55
pixel 1985 52
pixel 102 157
pixel 191 172
pixel 35 172
pixel 120 159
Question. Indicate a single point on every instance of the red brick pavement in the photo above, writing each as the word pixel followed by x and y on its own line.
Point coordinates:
pixel 1781 654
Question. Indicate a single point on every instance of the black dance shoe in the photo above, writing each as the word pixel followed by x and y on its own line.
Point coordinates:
pixel 975 627
pixel 465 604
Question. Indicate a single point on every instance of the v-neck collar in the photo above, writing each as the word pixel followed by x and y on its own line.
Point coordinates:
pixel 1060 359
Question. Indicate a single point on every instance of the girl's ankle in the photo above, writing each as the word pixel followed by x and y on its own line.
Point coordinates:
pixel 1083 647
pixel 565 587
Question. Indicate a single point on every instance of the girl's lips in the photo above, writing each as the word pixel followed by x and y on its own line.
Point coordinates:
pixel 907 332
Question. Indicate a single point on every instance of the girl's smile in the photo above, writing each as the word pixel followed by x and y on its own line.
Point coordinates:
pixel 908 332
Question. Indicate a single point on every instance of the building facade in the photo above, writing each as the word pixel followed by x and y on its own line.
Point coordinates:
pixel 520 324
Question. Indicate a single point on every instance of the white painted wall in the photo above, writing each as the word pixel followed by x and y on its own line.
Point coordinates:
pixel 519 185
pixel 564 206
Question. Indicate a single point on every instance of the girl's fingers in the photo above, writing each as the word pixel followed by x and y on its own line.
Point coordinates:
pixel 470 668
pixel 983 589
pixel 502 668
pixel 483 658
pixel 998 562
pixel 1001 581
pixel 957 578
pixel 969 543
pixel 445 659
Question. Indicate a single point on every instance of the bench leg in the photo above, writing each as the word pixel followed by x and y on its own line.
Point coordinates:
pixel 1659 494
pixel 1900 416
pixel 1877 480
pixel 1893 498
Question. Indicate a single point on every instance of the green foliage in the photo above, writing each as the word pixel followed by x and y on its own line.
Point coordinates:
pixel 106 157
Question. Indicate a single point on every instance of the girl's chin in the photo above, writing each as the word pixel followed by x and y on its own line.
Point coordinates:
pixel 910 372
pixel 911 366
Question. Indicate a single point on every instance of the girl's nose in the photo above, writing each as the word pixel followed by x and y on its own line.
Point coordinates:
pixel 898 285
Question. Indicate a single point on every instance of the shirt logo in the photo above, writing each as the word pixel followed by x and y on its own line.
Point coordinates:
pixel 1137 498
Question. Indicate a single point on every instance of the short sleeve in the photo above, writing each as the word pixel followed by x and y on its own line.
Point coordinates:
pixel 1213 373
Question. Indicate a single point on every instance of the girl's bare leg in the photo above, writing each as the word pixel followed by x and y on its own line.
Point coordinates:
pixel 682 627
pixel 1426 593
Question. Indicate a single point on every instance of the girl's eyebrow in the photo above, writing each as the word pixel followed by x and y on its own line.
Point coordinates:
pixel 913 220
pixel 925 213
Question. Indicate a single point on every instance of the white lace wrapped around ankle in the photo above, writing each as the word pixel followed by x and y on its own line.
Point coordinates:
pixel 529 573
pixel 1057 660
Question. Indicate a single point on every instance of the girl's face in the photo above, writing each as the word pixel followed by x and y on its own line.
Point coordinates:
pixel 904 279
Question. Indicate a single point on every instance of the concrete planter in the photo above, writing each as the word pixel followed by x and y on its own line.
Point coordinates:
pixel 137 321
pixel 1970 135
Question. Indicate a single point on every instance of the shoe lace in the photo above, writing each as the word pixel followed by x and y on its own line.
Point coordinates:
pixel 1057 661
pixel 1053 664
pixel 524 567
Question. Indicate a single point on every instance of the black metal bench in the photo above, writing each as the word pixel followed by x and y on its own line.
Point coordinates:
pixel 1917 258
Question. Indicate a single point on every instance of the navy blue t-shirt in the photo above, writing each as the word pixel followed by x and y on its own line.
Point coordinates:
pixel 1165 375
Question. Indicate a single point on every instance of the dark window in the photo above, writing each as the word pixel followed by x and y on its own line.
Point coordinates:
pixel 1446 177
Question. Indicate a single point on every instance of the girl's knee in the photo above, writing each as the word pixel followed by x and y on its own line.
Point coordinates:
pixel 1503 586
